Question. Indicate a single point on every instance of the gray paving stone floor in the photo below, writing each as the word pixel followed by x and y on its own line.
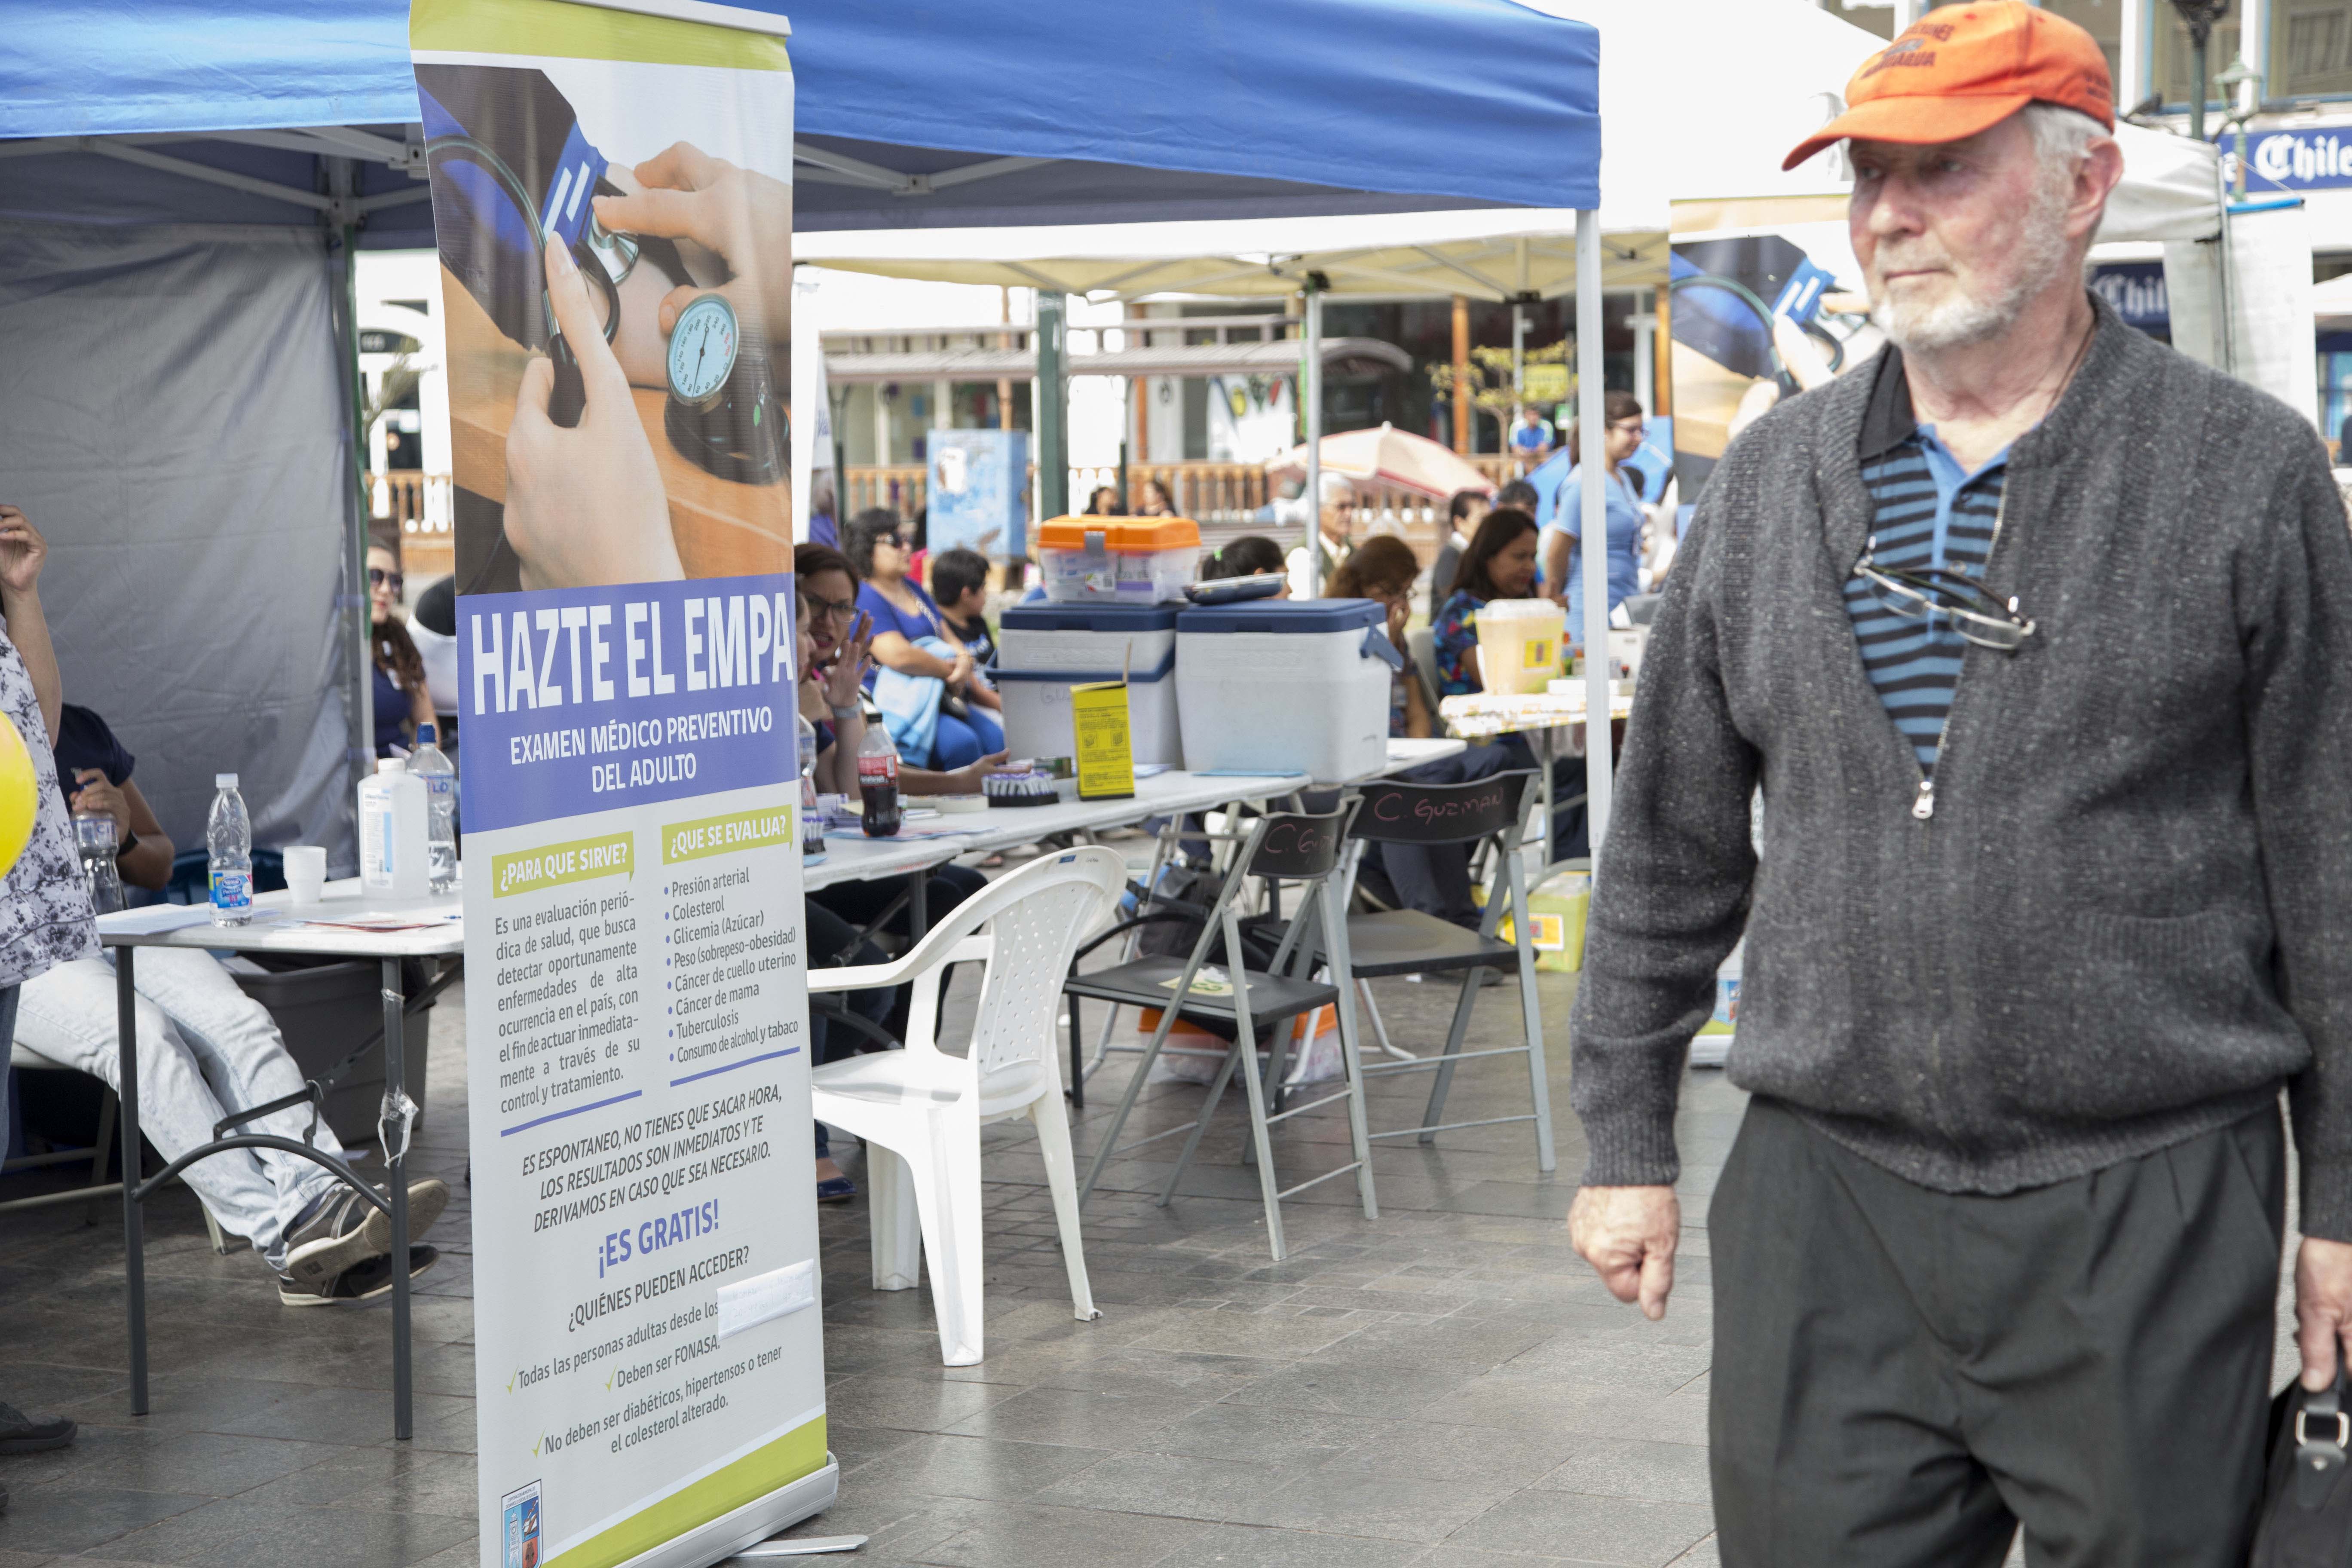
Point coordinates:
pixel 1444 1387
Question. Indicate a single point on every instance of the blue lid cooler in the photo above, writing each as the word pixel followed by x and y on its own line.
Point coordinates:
pixel 1044 650
pixel 1283 685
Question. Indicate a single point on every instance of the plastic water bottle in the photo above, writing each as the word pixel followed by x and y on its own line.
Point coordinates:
pixel 228 841
pixel 429 764
pixel 812 817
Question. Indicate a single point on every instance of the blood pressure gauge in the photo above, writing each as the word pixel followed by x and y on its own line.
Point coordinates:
pixel 702 348
pixel 723 411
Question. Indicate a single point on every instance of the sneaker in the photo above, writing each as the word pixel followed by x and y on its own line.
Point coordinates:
pixel 23 1433
pixel 363 1281
pixel 346 1230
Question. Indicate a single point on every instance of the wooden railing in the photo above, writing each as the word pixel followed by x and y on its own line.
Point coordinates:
pixel 1227 500
pixel 420 504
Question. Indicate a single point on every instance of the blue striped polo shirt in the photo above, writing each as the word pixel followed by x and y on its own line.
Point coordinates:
pixel 1928 511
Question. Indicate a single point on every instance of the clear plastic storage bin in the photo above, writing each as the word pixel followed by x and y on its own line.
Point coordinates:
pixel 1118 559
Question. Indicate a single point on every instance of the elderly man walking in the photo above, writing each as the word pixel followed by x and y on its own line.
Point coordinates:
pixel 2037 639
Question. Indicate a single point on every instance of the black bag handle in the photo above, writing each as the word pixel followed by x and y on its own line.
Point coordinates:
pixel 2322 1442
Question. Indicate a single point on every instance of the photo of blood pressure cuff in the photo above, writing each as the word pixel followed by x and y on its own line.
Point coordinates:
pixel 507 152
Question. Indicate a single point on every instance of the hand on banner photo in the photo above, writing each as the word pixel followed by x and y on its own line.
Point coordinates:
pixel 746 219
pixel 1757 400
pixel 584 506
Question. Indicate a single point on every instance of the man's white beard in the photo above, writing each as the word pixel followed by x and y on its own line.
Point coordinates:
pixel 1961 318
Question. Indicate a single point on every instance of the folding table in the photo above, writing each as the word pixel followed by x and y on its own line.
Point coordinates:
pixel 282 926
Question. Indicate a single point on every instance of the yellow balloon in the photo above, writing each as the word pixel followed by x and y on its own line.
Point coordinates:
pixel 19 795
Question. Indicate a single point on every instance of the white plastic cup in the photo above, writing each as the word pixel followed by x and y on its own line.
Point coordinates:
pixel 306 872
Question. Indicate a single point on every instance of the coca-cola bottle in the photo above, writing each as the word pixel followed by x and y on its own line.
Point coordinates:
pixel 878 782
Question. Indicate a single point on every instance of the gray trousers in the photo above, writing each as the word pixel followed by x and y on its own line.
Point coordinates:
pixel 1901 1376
pixel 7 1039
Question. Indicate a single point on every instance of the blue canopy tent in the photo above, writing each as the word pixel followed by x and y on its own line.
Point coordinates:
pixel 209 119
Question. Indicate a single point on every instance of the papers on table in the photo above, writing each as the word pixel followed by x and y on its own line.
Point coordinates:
pixel 156 920
pixel 380 924
pixel 1478 714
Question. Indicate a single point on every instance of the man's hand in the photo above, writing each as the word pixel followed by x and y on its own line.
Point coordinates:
pixel 97 797
pixel 1629 1234
pixel 584 506
pixel 745 218
pixel 23 551
pixel 2323 1306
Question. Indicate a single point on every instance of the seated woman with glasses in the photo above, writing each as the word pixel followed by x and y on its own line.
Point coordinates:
pixel 403 698
pixel 834 657
pixel 912 639
pixel 1433 879
pixel 839 640
pixel 1563 559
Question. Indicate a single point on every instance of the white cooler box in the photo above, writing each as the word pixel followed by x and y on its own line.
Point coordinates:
pixel 1043 650
pixel 1281 686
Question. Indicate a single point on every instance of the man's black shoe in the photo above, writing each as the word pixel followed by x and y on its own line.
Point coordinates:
pixel 23 1433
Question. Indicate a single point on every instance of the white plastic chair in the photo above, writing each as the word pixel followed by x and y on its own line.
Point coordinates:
pixel 919 1110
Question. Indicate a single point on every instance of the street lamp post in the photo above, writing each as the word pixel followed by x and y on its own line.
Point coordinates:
pixel 2242 108
pixel 2198 17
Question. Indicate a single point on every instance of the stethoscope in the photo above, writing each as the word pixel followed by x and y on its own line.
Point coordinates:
pixel 590 251
pixel 1750 297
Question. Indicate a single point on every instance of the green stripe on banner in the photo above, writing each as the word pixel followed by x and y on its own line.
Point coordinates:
pixel 553 27
pixel 799 1452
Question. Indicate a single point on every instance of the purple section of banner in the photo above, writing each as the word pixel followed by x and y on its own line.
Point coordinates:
pixel 580 699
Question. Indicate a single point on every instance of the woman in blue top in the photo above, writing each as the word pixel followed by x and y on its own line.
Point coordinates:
pixel 903 616
pixel 1563 559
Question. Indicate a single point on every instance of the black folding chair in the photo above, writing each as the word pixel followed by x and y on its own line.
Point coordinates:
pixel 1305 848
pixel 1489 812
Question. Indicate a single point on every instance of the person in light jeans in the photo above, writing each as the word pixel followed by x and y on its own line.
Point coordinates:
pixel 206 1050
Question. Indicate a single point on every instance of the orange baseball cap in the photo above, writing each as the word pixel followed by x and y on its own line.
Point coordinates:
pixel 1964 68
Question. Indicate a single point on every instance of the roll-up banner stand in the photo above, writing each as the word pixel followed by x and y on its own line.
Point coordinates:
pixel 611 193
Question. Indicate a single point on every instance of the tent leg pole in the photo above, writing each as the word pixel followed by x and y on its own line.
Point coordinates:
pixel 1310 387
pixel 342 178
pixel 1052 413
pixel 1590 416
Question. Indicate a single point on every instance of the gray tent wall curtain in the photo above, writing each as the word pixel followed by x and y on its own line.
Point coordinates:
pixel 172 420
